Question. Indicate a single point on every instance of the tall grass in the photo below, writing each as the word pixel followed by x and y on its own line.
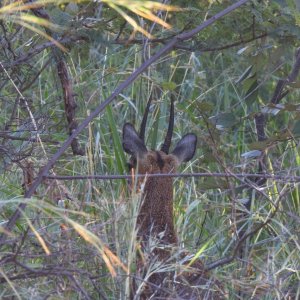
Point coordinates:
pixel 77 239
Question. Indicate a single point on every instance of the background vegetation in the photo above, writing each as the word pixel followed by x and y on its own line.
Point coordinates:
pixel 236 86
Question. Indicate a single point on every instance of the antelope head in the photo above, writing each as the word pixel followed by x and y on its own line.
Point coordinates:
pixel 155 218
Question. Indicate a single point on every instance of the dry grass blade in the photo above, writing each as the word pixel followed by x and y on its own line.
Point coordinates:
pixel 110 259
pixel 150 16
pixel 131 21
pixel 143 9
pixel 19 6
pixel 38 21
pixel 224 200
pixel 38 236
pixel 114 258
pixel 10 284
pixel 40 32
pixel 148 5
pixel 14 12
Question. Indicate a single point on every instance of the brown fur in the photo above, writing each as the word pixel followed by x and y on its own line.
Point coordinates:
pixel 156 214
pixel 157 262
pixel 155 221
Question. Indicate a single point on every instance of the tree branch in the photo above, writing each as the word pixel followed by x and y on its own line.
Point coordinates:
pixel 286 178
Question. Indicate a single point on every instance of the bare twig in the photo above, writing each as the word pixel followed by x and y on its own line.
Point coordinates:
pixel 279 93
pixel 196 47
pixel 67 86
pixel 199 47
pixel 241 241
pixel 285 178
pixel 36 50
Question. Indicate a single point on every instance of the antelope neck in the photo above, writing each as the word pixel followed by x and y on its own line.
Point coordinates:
pixel 155 218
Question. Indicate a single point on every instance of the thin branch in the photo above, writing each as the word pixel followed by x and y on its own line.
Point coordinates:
pixel 279 93
pixel 34 51
pixel 236 249
pixel 66 84
pixel 197 47
pixel 28 139
pixel 286 178
pixel 46 271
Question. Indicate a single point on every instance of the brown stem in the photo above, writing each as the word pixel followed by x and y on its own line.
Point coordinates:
pixel 279 93
pixel 67 86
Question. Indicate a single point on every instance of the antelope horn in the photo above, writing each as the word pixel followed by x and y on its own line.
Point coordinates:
pixel 167 143
pixel 144 121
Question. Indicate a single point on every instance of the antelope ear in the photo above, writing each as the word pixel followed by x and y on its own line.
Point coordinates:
pixel 185 148
pixel 132 143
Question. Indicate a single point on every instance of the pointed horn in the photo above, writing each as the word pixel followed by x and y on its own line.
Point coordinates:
pixel 167 143
pixel 144 121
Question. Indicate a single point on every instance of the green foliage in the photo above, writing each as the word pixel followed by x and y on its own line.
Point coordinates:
pixel 222 79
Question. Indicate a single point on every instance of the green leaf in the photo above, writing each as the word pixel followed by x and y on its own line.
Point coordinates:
pixel 213 183
pixel 249 85
pixel 119 153
pixel 262 145
pixel 168 85
pixel 245 74
pixel 205 107
pixel 251 154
